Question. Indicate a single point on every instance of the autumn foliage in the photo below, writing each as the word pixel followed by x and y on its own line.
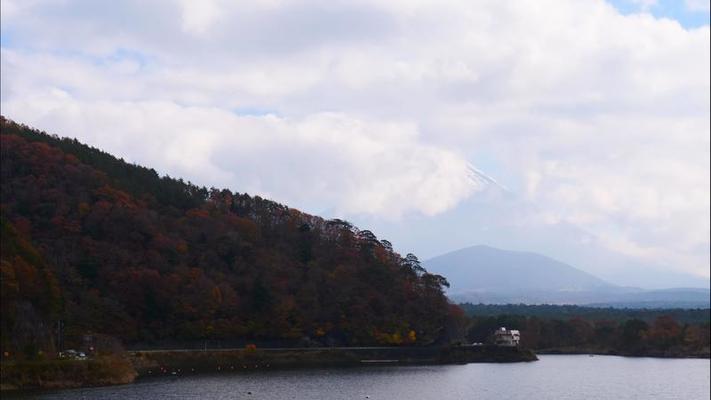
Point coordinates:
pixel 109 247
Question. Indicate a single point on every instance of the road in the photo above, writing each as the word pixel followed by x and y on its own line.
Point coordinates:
pixel 264 349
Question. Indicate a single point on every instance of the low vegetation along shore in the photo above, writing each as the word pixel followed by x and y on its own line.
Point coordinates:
pixel 59 374
pixel 64 374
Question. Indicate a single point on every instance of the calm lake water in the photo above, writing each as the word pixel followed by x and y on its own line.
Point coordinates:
pixel 553 377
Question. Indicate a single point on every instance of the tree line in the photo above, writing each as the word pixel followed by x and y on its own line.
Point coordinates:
pixel 586 329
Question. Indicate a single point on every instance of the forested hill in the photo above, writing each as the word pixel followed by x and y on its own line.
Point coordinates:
pixel 113 248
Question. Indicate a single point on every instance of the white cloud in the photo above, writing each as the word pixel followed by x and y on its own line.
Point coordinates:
pixel 601 120
pixel 325 160
pixel 644 5
pixel 698 5
pixel 199 16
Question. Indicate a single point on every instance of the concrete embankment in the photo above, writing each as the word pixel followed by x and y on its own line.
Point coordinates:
pixel 150 363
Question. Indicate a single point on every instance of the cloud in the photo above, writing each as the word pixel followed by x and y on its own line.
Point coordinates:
pixel 600 120
pixel 322 161
pixel 698 5
pixel 644 5
pixel 199 16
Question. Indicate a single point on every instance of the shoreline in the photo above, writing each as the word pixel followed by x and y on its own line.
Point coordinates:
pixel 133 365
pixel 149 363
pixel 138 365
pixel 66 374
pixel 610 352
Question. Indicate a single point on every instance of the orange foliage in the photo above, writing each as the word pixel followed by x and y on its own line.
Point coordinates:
pixel 197 213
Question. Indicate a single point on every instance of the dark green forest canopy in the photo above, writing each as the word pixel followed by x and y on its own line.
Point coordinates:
pixel 552 311
pixel 114 248
pixel 568 328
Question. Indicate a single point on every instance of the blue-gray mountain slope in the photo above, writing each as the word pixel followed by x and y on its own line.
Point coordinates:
pixel 483 274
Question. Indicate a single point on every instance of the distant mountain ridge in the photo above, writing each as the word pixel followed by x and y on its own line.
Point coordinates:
pixel 484 268
pixel 483 274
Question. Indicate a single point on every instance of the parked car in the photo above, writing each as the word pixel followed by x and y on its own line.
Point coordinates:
pixel 72 354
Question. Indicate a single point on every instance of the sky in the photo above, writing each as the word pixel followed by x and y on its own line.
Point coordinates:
pixel 578 129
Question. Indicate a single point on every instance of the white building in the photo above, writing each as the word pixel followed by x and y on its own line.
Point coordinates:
pixel 507 338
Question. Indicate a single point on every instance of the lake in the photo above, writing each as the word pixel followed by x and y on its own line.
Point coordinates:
pixel 553 377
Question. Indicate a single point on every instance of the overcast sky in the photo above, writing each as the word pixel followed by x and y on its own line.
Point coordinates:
pixel 593 116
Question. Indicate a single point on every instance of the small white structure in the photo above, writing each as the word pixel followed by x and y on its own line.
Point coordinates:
pixel 507 338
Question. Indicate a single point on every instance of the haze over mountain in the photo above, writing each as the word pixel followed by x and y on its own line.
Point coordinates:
pixel 501 218
pixel 490 275
pixel 484 268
